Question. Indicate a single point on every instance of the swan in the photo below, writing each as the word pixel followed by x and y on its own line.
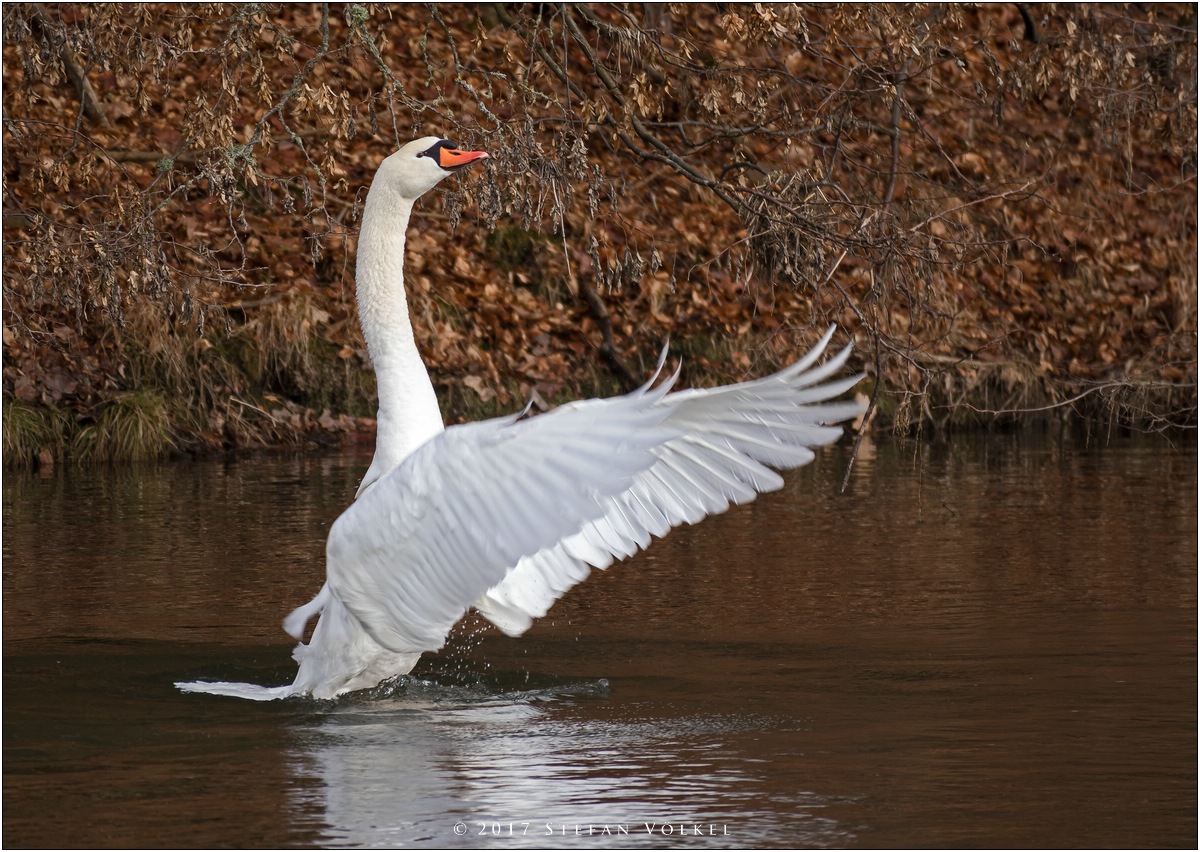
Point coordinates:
pixel 508 514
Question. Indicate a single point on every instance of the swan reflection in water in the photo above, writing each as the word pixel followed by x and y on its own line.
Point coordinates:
pixel 535 767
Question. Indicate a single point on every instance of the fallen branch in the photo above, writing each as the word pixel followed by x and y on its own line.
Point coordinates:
pixel 608 349
pixel 87 95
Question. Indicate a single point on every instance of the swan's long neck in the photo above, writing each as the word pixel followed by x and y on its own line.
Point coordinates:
pixel 408 408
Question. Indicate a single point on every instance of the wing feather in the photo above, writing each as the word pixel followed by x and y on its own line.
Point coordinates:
pixel 509 514
pixel 729 439
pixel 410 556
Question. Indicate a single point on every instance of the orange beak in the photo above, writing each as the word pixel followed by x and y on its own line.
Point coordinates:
pixel 448 158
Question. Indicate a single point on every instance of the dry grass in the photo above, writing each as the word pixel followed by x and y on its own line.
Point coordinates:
pixel 133 427
pixel 31 431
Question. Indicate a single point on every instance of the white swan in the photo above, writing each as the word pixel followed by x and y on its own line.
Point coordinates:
pixel 508 514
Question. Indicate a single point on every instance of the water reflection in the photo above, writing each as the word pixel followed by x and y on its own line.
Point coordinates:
pixel 988 643
pixel 537 766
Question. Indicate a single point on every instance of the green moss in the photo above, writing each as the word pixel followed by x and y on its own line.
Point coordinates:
pixel 515 249
pixel 695 348
pixel 460 403
pixel 518 252
pixel 330 381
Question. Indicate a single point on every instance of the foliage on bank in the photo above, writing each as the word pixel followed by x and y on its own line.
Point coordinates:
pixel 996 203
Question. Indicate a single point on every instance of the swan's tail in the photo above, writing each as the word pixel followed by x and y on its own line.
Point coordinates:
pixel 250 691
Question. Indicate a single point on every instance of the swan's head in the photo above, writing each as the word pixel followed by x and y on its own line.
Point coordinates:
pixel 422 164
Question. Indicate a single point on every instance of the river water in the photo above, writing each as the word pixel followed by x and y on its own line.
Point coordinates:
pixel 986 643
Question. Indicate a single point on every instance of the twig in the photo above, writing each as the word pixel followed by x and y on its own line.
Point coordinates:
pixel 188 157
pixel 992 197
pixel 1077 397
pixel 1031 28
pixel 267 414
pixel 897 111
pixel 608 349
pixel 866 419
pixel 87 95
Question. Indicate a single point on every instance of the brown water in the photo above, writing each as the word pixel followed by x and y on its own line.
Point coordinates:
pixel 990 644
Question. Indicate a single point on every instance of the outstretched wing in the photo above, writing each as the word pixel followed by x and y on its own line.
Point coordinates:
pixel 523 507
pixel 728 440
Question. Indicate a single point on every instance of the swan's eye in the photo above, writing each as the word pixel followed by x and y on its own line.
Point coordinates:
pixel 436 148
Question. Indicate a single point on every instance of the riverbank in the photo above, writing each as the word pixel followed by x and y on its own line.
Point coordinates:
pixel 999 211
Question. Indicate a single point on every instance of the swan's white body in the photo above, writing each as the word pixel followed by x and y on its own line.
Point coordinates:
pixel 506 515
